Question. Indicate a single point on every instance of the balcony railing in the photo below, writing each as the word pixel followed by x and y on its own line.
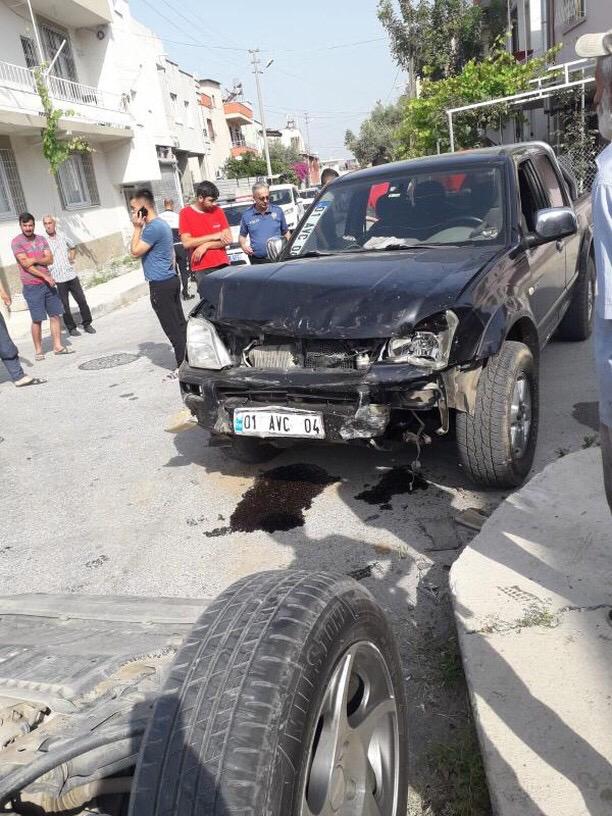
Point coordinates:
pixel 22 79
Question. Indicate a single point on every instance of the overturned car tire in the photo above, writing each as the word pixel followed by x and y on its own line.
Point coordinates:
pixel 286 700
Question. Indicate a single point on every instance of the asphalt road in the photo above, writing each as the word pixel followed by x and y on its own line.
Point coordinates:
pixel 106 489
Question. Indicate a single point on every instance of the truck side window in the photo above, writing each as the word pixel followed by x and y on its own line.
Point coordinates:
pixel 550 181
pixel 531 198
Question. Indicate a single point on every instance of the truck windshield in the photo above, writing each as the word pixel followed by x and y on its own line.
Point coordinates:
pixel 404 210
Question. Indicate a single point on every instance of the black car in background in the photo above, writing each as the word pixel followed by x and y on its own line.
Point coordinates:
pixel 411 295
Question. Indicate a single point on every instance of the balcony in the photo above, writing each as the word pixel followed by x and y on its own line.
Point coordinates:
pixel 95 112
pixel 242 150
pixel 237 113
pixel 75 13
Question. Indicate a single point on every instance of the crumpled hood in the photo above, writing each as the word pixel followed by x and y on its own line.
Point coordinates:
pixel 343 296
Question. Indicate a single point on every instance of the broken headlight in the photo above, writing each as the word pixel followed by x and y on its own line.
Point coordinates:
pixel 204 347
pixel 429 344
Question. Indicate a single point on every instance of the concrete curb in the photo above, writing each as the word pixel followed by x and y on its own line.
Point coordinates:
pixel 531 596
pixel 102 299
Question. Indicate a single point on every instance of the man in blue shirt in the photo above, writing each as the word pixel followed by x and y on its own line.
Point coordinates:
pixel 600 47
pixel 261 222
pixel 152 241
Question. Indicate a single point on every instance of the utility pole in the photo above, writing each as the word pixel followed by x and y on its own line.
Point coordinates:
pixel 254 52
pixel 307 120
pixel 39 48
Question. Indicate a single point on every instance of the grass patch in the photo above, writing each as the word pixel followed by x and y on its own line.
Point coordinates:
pixel 116 267
pixel 590 441
pixel 458 764
pixel 537 616
pixel 102 276
pixel 449 669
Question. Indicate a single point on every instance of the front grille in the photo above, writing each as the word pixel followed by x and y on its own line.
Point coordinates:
pixel 285 397
pixel 328 354
pixel 274 357
pixel 312 354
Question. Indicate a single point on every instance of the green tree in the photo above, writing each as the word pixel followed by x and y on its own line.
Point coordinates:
pixel 375 142
pixel 433 38
pixel 251 165
pixel 56 149
pixel 424 126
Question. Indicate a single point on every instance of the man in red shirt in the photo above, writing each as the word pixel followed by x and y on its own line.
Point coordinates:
pixel 205 233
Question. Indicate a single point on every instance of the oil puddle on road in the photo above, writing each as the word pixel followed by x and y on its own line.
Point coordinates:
pixel 587 413
pixel 279 497
pixel 394 482
pixel 277 500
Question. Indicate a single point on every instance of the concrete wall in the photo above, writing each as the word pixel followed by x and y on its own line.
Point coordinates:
pixel 598 18
pixel 98 230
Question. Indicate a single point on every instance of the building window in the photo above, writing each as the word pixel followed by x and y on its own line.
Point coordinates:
pixel 237 136
pixel 77 182
pixel 571 12
pixel 211 130
pixel 52 39
pixel 12 201
pixel 188 119
pixel 29 52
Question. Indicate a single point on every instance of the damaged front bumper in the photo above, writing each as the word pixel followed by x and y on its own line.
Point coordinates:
pixel 354 405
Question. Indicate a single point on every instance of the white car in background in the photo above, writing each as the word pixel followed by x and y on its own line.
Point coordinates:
pixel 234 211
pixel 308 196
pixel 287 197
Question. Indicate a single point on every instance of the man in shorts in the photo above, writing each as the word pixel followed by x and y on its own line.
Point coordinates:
pixel 34 258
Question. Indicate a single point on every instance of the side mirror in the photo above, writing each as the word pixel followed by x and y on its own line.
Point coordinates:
pixel 274 248
pixel 552 225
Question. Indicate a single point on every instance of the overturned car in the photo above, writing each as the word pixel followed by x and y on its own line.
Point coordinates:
pixel 411 296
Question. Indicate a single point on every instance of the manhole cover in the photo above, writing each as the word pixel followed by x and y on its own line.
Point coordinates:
pixel 112 361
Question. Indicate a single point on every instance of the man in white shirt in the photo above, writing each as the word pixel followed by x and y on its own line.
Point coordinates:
pixel 600 46
pixel 66 278
pixel 171 218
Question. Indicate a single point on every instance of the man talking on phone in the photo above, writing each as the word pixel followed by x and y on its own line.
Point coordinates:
pixel 152 242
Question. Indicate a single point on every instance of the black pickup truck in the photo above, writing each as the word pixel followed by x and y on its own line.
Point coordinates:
pixel 411 297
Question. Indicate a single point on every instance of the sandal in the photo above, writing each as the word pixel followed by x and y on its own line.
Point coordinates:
pixel 31 381
pixel 39 357
pixel 65 350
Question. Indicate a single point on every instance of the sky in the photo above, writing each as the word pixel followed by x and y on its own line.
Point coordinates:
pixel 331 57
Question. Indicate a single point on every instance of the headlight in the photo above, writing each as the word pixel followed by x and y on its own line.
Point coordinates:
pixel 204 347
pixel 429 345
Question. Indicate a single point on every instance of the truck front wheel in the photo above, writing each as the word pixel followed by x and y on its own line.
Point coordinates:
pixel 497 442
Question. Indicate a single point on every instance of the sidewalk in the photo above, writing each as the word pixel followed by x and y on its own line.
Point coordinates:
pixel 102 299
pixel 531 596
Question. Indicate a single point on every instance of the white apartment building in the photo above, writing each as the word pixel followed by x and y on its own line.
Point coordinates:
pixel 215 127
pixel 137 109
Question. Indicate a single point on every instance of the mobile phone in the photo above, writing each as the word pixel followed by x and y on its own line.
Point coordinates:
pixel 143 212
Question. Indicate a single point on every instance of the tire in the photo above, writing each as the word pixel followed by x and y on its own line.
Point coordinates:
pixel 252 451
pixel 484 438
pixel 577 323
pixel 238 723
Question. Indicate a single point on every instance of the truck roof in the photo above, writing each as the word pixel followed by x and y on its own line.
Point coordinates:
pixel 451 161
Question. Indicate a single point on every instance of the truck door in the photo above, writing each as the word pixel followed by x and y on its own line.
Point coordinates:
pixel 556 192
pixel 546 279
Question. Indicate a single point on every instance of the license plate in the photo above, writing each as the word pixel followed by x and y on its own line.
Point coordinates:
pixel 236 257
pixel 278 422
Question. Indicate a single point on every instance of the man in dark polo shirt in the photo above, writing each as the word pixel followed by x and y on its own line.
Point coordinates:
pixel 261 222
